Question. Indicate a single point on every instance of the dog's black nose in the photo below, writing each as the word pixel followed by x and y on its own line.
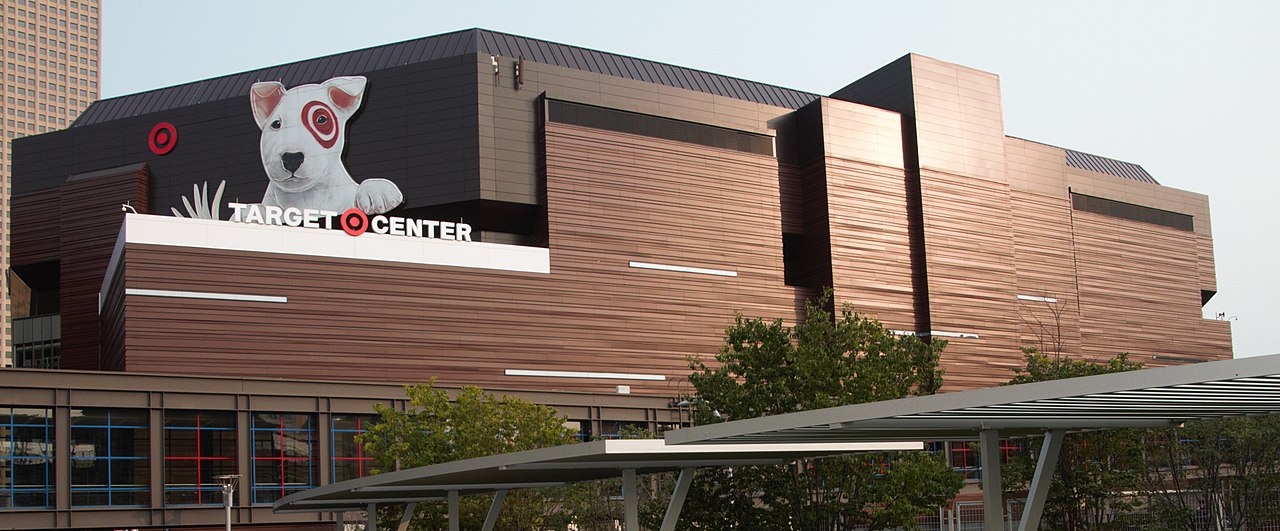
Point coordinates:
pixel 292 161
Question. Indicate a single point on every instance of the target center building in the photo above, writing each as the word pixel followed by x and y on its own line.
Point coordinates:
pixel 545 220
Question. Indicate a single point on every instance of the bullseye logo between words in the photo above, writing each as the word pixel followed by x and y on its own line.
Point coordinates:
pixel 353 221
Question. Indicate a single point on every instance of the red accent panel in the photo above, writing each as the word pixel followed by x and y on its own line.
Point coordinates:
pixel 354 222
pixel 162 138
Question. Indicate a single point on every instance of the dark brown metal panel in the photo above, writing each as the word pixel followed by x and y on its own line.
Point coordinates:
pixel 34 228
pixel 612 198
pixel 91 216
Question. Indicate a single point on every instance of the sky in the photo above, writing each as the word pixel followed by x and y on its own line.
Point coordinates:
pixel 1186 89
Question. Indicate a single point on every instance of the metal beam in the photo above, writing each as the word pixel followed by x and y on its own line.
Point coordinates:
pixel 630 501
pixel 976 422
pixel 454 524
pixel 339 521
pixel 624 465
pixel 677 499
pixel 1039 492
pixel 409 509
pixel 460 486
pixel 992 500
pixel 371 518
pixel 491 519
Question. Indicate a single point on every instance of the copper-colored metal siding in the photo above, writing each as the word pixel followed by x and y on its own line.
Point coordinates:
pixel 866 198
pixel 612 198
pixel 1138 291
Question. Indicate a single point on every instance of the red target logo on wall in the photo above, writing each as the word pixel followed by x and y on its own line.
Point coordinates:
pixel 162 138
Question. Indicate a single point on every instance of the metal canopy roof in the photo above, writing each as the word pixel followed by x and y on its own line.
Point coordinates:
pixel 551 467
pixel 1159 397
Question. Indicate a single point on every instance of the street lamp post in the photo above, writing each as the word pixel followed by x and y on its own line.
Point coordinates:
pixel 228 493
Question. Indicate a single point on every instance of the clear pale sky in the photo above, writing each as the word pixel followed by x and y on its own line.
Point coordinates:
pixel 1186 89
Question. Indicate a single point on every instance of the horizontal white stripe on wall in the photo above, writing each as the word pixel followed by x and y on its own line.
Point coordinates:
pixel 684 269
pixel 576 374
pixel 204 295
pixel 935 333
pixel 1034 298
pixel 231 236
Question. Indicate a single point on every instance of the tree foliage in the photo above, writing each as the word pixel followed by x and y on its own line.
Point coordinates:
pixel 1218 473
pixel 767 368
pixel 474 424
pixel 1093 468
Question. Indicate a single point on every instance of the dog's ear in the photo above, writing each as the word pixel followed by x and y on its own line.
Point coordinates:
pixel 346 92
pixel 265 97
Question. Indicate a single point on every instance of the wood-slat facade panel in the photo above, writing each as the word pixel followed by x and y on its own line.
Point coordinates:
pixel 969 254
pixel 1045 264
pixel 90 214
pixel 611 198
pixel 1138 292
pixel 870 242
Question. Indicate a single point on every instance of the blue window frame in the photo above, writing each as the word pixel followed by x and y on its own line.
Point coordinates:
pixel 109 465
pixel 349 459
pixel 26 458
pixel 283 455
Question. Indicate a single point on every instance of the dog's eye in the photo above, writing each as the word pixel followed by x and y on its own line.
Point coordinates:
pixel 275 124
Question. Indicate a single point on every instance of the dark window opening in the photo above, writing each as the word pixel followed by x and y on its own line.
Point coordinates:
pixel 1130 211
pixel 658 127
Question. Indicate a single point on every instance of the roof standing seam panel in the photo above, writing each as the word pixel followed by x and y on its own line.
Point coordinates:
pixel 577 58
pixel 489 43
pixel 449 44
pixel 542 52
pixel 378 58
pixel 496 43
pixel 686 79
pixel 650 72
pixel 611 64
pixel 592 61
pixel 507 46
pixel 563 57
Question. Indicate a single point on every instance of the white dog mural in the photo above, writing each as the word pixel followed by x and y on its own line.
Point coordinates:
pixel 303 135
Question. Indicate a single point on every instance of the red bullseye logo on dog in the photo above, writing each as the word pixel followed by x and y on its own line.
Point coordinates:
pixel 354 222
pixel 319 119
pixel 162 138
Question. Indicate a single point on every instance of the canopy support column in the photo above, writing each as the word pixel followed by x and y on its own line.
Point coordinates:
pixel 409 509
pixel 630 501
pixel 992 499
pixel 371 518
pixel 677 499
pixel 454 524
pixel 1039 492
pixel 494 508
pixel 339 521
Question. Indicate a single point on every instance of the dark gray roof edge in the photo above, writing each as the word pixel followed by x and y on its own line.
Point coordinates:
pixel 479 40
pixel 1099 164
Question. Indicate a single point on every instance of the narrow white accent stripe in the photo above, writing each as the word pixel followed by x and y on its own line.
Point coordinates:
pixel 1034 298
pixel 934 333
pixel 684 269
pixel 966 335
pixel 576 374
pixel 204 295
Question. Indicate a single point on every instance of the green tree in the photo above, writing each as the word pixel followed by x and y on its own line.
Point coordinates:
pixel 766 368
pixel 1093 468
pixel 474 424
pixel 1219 474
